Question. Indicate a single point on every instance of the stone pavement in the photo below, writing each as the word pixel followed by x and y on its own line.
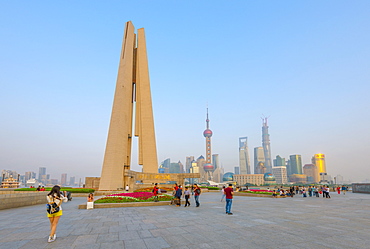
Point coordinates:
pixel 339 222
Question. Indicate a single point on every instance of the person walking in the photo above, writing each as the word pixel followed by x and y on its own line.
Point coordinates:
pixel 229 192
pixel 178 195
pixel 56 197
pixel 187 196
pixel 223 193
pixel 127 188
pixel 197 192
pixel 344 190
pixel 155 192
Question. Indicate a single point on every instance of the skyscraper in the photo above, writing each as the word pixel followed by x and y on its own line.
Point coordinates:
pixel 295 163
pixel 266 145
pixel 42 173
pixel 72 181
pixel 208 167
pixel 279 161
pixel 165 166
pixel 319 161
pixel 216 161
pixel 244 161
pixel 63 180
pixel 237 170
pixel 258 157
pixel 310 170
pixel 188 161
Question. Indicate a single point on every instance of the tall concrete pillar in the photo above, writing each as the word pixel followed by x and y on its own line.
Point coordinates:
pixel 132 87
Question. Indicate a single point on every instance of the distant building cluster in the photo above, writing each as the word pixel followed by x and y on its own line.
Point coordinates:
pixel 266 170
pixel 11 179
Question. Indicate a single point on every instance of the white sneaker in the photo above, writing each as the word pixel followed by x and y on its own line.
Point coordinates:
pixel 54 236
pixel 51 239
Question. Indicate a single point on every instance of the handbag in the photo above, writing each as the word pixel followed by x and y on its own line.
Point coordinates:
pixel 90 205
pixel 52 208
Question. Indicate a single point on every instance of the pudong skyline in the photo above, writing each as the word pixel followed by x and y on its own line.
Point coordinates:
pixel 305 67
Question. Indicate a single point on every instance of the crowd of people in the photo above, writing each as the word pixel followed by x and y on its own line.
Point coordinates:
pixel 309 191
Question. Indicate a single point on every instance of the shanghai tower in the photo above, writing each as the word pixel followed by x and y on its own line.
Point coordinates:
pixel 266 145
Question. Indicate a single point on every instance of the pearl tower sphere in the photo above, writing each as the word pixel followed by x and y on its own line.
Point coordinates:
pixel 208 167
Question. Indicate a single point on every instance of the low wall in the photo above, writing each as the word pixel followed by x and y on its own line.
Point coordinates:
pixel 128 204
pixel 13 199
pixel 361 188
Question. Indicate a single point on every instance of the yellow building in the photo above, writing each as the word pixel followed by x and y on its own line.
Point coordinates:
pixel 319 161
pixel 255 179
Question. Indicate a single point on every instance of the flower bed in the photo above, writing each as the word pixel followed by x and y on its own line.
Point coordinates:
pixel 163 189
pixel 132 197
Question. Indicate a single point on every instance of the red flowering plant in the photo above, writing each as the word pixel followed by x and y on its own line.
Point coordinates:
pixel 132 197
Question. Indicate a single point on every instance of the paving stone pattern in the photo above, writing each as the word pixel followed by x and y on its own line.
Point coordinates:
pixel 339 222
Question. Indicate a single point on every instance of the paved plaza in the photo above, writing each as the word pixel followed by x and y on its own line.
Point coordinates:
pixel 339 222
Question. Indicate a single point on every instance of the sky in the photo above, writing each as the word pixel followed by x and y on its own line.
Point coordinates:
pixel 303 64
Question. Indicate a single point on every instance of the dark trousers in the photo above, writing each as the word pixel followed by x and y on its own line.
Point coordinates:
pixel 187 203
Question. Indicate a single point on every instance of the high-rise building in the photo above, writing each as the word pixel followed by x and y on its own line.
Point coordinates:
pixel 200 163
pixel 215 161
pixel 72 181
pixel 42 173
pixel 237 171
pixel 280 174
pixel 165 166
pixel 266 145
pixel 29 175
pixel 295 163
pixel 175 167
pixel 244 161
pixel 319 161
pixel 194 169
pixel 63 180
pixel 188 161
pixel 208 167
pixel 259 157
pixel 279 161
pixel 310 170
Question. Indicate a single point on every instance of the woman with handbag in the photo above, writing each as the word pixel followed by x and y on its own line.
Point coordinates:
pixel 54 210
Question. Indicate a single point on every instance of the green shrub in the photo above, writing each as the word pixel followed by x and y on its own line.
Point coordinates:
pixel 213 188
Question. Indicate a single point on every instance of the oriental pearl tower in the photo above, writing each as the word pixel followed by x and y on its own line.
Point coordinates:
pixel 208 167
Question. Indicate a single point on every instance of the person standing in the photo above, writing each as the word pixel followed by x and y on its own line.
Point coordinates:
pixel 127 188
pixel 223 193
pixel 56 197
pixel 229 192
pixel 327 191
pixel 155 192
pixel 197 192
pixel 178 196
pixel 344 190
pixel 187 196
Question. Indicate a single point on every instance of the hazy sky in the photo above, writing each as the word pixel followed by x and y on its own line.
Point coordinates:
pixel 306 64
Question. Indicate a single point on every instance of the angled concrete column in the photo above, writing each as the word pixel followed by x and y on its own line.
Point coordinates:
pixel 132 85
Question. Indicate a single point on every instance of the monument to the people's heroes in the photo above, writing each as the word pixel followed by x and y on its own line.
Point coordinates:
pixel 132 88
